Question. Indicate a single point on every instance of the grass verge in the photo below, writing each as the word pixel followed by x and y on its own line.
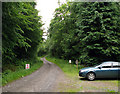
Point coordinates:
pixel 69 69
pixel 10 76
pixel 76 85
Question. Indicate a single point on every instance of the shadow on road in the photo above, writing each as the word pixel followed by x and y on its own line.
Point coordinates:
pixel 102 79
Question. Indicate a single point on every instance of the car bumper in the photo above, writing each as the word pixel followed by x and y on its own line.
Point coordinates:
pixel 81 74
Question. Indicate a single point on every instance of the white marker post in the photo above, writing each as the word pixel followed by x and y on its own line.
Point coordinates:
pixel 70 64
pixel 27 66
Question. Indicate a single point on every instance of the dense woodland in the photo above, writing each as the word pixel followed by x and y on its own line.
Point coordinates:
pixel 87 31
pixel 21 33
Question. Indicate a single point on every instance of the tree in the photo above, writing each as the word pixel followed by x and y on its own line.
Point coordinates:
pixel 56 30
pixel 98 31
pixel 21 32
pixel 89 33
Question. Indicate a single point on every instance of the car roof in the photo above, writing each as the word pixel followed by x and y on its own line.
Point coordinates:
pixel 111 62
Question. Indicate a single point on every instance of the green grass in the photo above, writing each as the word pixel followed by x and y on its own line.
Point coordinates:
pixel 69 69
pixel 111 90
pixel 11 76
pixel 72 72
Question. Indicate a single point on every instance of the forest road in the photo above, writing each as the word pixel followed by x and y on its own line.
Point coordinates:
pixel 44 79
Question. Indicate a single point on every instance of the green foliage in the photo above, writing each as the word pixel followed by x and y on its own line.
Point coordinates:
pixel 88 31
pixel 9 76
pixel 69 69
pixel 21 33
pixel 42 50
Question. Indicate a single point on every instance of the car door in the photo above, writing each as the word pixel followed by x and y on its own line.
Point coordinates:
pixel 115 70
pixel 104 71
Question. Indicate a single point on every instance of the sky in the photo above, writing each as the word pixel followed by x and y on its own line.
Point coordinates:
pixel 46 9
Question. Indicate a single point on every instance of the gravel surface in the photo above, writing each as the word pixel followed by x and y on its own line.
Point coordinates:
pixel 50 78
pixel 44 79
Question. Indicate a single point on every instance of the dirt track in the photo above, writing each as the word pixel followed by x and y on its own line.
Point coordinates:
pixel 50 78
pixel 44 79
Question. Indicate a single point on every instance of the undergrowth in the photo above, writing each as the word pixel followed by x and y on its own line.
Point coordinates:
pixel 10 75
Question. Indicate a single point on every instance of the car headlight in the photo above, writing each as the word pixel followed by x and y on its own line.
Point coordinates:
pixel 82 70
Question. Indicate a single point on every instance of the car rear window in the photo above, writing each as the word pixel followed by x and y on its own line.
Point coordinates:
pixel 116 66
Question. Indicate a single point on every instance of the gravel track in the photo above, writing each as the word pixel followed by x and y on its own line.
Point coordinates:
pixel 44 79
pixel 50 78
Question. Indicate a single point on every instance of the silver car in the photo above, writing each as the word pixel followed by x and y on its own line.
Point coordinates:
pixel 109 69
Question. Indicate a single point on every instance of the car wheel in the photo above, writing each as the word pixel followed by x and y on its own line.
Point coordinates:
pixel 91 76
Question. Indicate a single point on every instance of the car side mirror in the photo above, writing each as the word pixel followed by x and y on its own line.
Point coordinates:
pixel 99 67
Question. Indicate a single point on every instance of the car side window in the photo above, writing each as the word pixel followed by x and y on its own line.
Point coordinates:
pixel 116 66
pixel 106 66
